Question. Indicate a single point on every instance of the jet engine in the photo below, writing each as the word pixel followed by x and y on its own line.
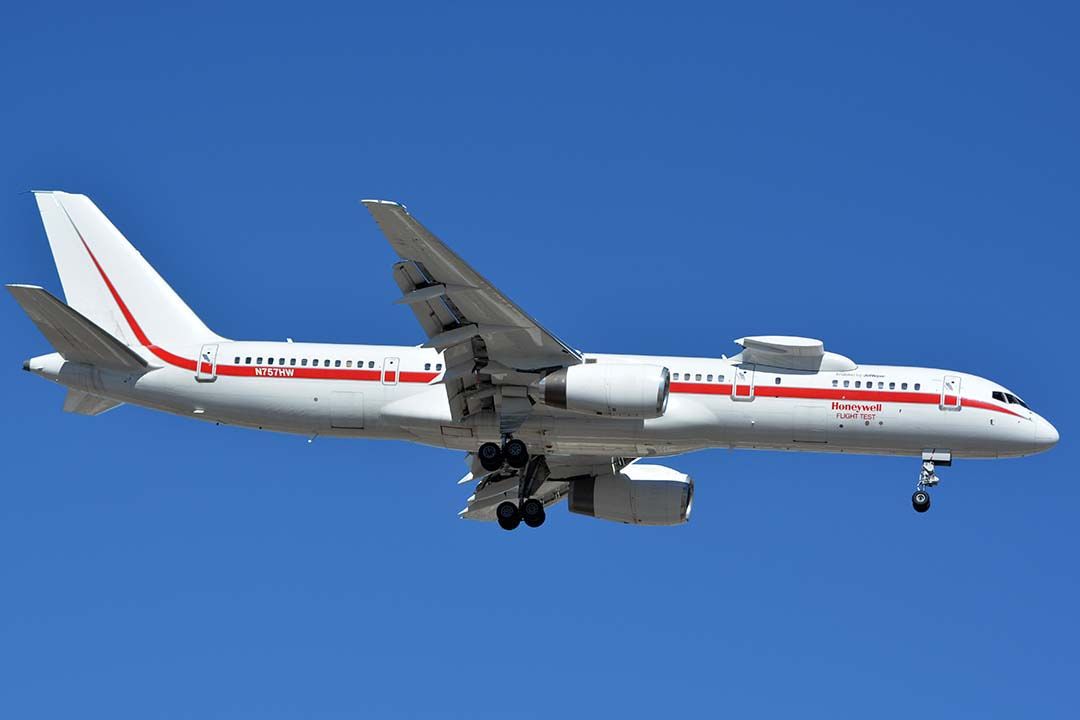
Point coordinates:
pixel 636 495
pixel 612 390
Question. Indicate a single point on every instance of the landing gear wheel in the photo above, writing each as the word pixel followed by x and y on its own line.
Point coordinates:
pixel 517 454
pixel 508 515
pixel 920 500
pixel 532 512
pixel 491 457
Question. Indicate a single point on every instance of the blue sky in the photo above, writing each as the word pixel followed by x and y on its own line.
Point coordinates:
pixel 656 178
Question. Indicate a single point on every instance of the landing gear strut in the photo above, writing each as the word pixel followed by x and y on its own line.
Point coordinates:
pixel 920 499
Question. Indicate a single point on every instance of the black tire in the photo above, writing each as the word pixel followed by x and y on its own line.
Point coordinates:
pixel 508 515
pixel 920 500
pixel 517 454
pixel 532 512
pixel 491 457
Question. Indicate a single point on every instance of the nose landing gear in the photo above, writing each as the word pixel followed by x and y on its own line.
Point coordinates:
pixel 920 499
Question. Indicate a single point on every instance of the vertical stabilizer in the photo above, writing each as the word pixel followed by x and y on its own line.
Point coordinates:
pixel 109 282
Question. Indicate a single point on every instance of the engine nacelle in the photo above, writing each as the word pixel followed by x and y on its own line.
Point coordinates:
pixel 612 390
pixel 637 495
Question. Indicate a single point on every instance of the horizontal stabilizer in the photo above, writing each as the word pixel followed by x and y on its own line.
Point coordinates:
pixel 76 338
pixel 83 403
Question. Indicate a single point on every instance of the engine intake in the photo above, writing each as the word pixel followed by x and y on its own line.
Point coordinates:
pixel 637 495
pixel 613 390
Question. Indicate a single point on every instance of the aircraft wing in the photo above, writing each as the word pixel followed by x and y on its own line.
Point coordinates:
pixel 493 349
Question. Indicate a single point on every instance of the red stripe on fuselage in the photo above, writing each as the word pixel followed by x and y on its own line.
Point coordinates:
pixel 774 391
pixel 812 393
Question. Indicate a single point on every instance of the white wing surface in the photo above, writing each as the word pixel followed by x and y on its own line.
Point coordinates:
pixel 493 349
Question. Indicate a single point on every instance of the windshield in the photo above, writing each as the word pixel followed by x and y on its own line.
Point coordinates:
pixel 1016 401
pixel 1009 398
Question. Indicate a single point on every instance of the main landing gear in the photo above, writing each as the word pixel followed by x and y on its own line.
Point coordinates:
pixel 514 453
pixel 920 499
pixel 510 515
pixel 531 474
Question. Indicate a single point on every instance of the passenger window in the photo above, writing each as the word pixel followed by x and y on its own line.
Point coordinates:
pixel 258 361
pixel 281 361
pixel 292 361
pixel 903 386
pixel 698 377
pixel 835 383
pixel 247 361
pixel 918 385
pixel 719 378
pixel 237 360
pixel 880 385
pixel 314 363
pixel 858 383
pixel 326 363
pixel 708 378
pixel 892 386
pixel 427 366
pixel 847 383
pixel 438 366
pixel 337 363
pixel 778 381
pixel 348 363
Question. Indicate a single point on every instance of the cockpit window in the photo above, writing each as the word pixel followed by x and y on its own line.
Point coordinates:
pixel 1000 396
pixel 1016 401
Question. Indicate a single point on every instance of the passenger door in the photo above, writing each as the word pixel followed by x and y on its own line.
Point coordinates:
pixel 390 371
pixel 742 385
pixel 206 367
pixel 950 393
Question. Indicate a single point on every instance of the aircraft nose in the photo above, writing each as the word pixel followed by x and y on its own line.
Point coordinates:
pixel 1046 435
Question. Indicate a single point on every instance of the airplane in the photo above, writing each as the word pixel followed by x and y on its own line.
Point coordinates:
pixel 538 419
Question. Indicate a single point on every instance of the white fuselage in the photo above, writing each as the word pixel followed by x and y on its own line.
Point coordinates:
pixel 395 392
